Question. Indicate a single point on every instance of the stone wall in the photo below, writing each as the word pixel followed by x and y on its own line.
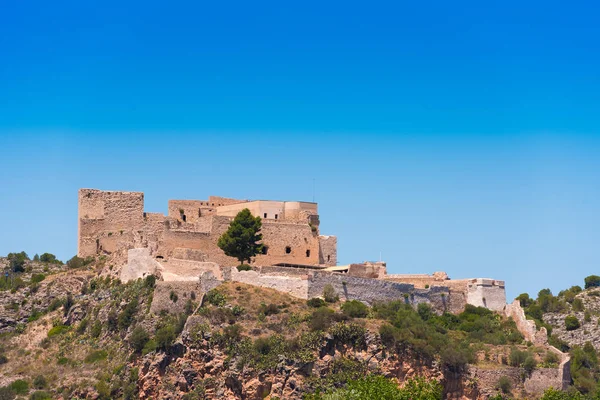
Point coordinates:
pixel 139 265
pixel 293 285
pixel 487 293
pixel 374 290
pixel 535 384
pixel 328 250
pixel 525 326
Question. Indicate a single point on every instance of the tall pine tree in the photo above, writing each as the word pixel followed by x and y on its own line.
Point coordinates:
pixel 242 237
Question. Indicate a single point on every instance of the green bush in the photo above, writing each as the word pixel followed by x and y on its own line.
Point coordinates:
pixel 244 267
pixel 3 359
pixel 37 278
pixel 322 318
pixel 529 364
pixel 517 357
pixel 95 356
pixel 16 261
pixel 49 258
pixel 20 387
pixel 150 281
pixel 571 323
pixel 329 294
pixel 40 395
pixel 577 305
pixel 165 337
pixel 127 317
pixel 138 339
pixel 504 384
pixel 592 281
pixel 96 329
pixel 7 393
pixel 315 302
pixel 40 382
pixel 58 330
pixel 355 309
pixel 348 334
pixel 267 310
pixel 215 298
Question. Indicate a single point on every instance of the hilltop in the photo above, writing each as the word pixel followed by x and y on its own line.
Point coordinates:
pixel 76 333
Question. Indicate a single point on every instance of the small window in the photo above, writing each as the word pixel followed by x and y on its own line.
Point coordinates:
pixel 199 212
pixel 183 217
pixel 160 258
pixel 307 253
pixel 288 249
pixel 328 258
pixel 265 215
pixel 276 216
pixel 265 250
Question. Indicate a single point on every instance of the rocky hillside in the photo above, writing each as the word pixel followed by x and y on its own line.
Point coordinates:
pixel 78 334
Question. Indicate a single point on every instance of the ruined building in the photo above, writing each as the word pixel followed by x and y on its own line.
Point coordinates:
pixel 182 246
pixel 113 222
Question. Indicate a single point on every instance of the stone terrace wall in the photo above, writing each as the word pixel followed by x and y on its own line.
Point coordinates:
pixel 295 286
pixel 374 290
pixel 540 380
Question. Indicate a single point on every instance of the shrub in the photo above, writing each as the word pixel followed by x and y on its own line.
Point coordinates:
pixel 6 393
pixel 592 281
pixel 349 334
pixel 20 387
pixel 329 294
pixel 517 357
pixel 244 267
pixel 95 356
pixel 504 384
pixel 215 298
pixel 587 317
pixel 149 347
pixel 40 395
pixel 16 261
pixel 58 330
pixel 68 304
pixel 267 310
pixel 127 317
pixel 138 339
pixel 173 296
pixel 529 364
pixel 355 309
pixel 3 359
pixel 322 318
pixel 37 278
pixel 578 305
pixel 49 258
pixel 315 302
pixel 150 281
pixel 551 358
pixel 40 382
pixel 571 323
pixel 96 329
pixel 165 337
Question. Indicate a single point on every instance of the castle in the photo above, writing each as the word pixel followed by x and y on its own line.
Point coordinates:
pixel 112 222
pixel 296 258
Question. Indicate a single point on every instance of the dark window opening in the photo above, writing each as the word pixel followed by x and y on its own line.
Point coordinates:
pixel 265 215
pixel 265 250
pixel 307 253
pixel 144 215
pixel 328 258
pixel 288 249
pixel 199 212
pixel 160 258
pixel 97 245
pixel 275 216
pixel 183 217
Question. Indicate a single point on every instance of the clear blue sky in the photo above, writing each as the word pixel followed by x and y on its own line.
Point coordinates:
pixel 462 137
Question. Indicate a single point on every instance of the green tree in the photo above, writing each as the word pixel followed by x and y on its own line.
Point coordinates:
pixel 571 323
pixel 242 237
pixel 17 261
pixel 592 281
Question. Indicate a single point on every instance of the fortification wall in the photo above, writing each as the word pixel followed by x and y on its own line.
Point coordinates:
pixel 374 290
pixel 488 293
pixel 328 250
pixel 107 220
pixel 295 286
pixel 139 264
pixel 525 326
pixel 540 380
pixel 368 270
pixel 188 270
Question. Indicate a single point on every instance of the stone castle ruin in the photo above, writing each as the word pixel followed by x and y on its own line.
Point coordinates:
pixel 181 250
pixel 182 246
